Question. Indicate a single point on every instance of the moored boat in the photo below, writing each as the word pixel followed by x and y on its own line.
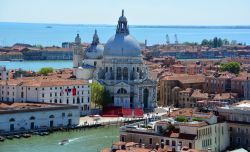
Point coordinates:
pixel 43 133
pixel 9 137
pixel 2 138
pixel 26 135
pixel 17 136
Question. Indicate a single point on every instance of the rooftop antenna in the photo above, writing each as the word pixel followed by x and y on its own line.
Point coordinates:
pixel 167 39
pixel 176 39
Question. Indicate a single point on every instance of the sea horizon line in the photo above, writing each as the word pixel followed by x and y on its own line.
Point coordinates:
pixel 136 25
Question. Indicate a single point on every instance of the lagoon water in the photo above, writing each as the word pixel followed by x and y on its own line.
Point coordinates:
pixel 36 65
pixel 55 34
pixel 89 140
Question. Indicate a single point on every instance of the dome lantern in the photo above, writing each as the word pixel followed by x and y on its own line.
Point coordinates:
pixel 122 44
pixel 78 39
pixel 95 39
pixel 122 26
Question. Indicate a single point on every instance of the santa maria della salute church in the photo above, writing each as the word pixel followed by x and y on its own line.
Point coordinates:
pixel 118 65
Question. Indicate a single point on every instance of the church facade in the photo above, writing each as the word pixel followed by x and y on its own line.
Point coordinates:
pixel 119 66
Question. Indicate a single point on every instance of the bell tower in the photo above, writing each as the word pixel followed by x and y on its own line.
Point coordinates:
pixel 77 52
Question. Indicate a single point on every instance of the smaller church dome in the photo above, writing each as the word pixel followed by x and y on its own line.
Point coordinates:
pixel 95 50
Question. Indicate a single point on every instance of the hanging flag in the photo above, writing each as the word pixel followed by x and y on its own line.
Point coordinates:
pixel 74 91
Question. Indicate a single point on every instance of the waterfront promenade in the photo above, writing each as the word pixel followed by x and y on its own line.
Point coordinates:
pixel 87 120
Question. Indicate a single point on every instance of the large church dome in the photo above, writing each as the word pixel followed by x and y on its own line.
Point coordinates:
pixel 122 43
pixel 95 50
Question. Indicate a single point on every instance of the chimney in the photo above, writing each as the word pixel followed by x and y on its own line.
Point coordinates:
pixel 157 146
pixel 209 150
pixel 162 145
pixel 179 147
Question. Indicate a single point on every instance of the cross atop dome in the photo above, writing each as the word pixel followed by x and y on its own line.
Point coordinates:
pixel 122 26
pixel 95 38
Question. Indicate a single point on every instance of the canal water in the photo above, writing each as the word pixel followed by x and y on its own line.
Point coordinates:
pixel 88 140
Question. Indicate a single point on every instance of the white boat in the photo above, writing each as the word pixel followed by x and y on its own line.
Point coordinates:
pixel 63 142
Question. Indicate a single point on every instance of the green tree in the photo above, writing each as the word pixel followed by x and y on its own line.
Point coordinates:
pixel 232 67
pixel 215 42
pixel 181 119
pixel 45 70
pixel 219 42
pixel 225 42
pixel 197 119
pixel 99 95
pixel 106 98
pixel 170 127
pixel 205 42
pixel 96 93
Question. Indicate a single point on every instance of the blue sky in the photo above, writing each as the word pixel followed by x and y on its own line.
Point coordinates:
pixel 138 12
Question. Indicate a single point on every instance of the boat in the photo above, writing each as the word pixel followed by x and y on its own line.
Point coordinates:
pixel 48 26
pixel 17 136
pixel 2 138
pixel 9 137
pixel 26 135
pixel 43 133
pixel 63 142
pixel 35 133
pixel 17 60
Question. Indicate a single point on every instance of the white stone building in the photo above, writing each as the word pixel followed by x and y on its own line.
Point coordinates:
pixel 48 90
pixel 201 135
pixel 121 69
pixel 238 118
pixel 15 117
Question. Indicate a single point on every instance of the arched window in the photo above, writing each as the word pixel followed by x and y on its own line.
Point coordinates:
pixel 119 73
pixel 125 73
pixel 51 116
pixel 122 91
pixel 32 118
pixel 70 114
pixel 55 101
pixel 12 120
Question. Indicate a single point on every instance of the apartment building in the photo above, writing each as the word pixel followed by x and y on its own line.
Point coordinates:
pixel 47 90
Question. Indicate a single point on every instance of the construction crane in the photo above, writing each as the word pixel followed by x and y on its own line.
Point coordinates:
pixel 167 39
pixel 176 39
